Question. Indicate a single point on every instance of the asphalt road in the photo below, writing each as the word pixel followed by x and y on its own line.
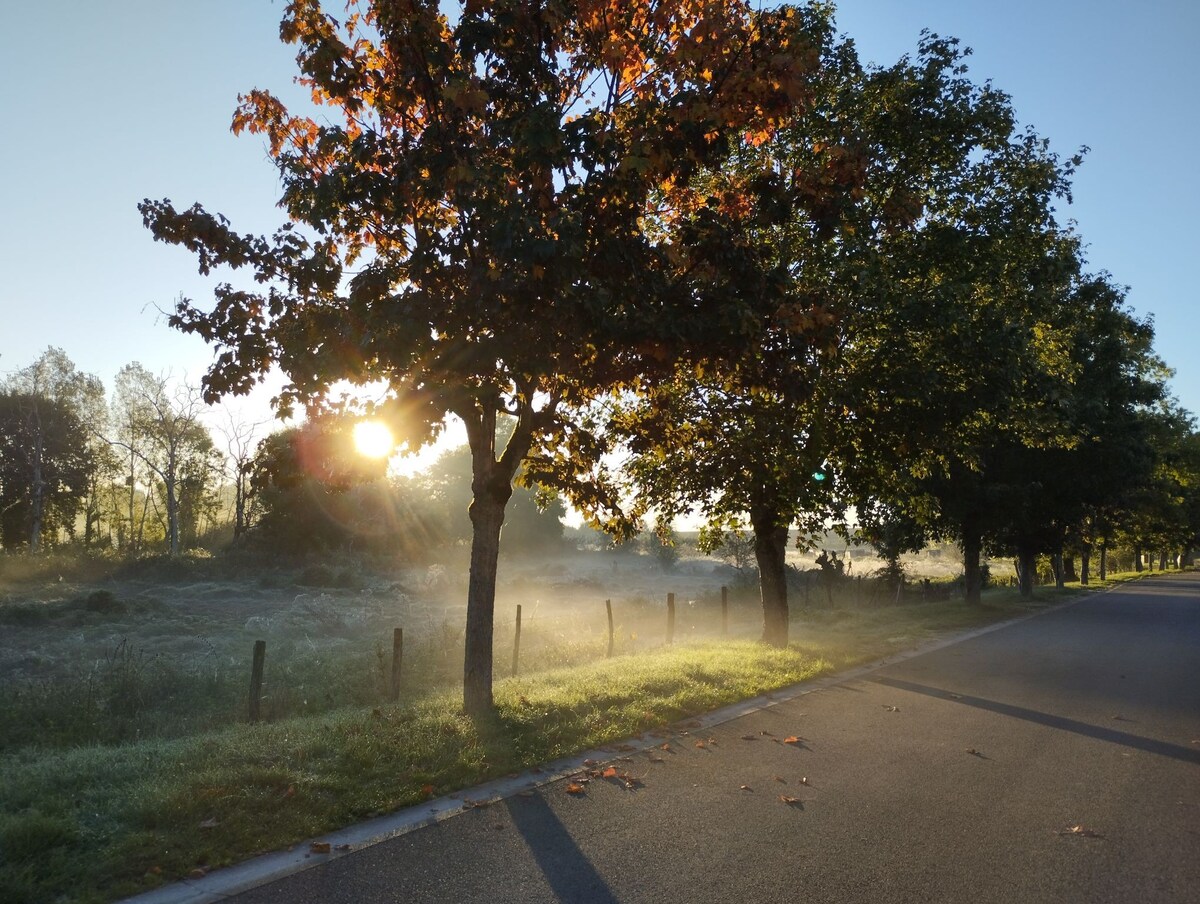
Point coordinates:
pixel 1057 759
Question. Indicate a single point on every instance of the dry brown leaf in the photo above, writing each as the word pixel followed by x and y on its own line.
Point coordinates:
pixel 781 779
pixel 427 790
pixel 665 745
pixel 319 847
pixel 745 788
pixel 891 709
pixel 575 788
pixel 610 772
pixel 589 762
pixel 973 751
pixel 197 873
pixel 793 739
pixel 1081 831
pixel 700 744
pixel 790 801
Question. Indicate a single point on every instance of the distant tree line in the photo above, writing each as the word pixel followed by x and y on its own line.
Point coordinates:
pixel 144 472
pixel 694 256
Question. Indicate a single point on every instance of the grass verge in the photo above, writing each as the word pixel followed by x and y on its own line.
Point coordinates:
pixel 93 824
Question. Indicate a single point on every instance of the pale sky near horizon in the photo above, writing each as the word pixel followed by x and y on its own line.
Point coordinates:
pixel 109 103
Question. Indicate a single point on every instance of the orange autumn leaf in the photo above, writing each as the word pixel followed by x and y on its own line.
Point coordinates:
pixel 792 740
pixel 574 788
pixel 610 772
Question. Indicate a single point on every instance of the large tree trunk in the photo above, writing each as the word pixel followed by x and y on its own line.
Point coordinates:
pixel 1070 575
pixel 1137 559
pixel 972 548
pixel 487 517
pixel 1026 571
pixel 1085 564
pixel 770 549
pixel 1104 561
pixel 491 488
pixel 1060 577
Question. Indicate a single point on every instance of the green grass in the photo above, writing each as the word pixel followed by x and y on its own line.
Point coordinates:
pixel 95 823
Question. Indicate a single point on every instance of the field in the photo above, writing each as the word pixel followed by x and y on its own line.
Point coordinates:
pixel 161 649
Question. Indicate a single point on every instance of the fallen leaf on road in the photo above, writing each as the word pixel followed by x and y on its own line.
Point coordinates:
pixel 1081 831
pixel 973 751
pixel 196 874
pixel 610 772
pixel 781 780
pixel 794 739
pixel 791 801
pixel 745 788
pixel 319 847
pixel 665 745
pixel 804 781
pixel 589 762
pixel 891 709
pixel 575 788
pixel 700 744
pixel 766 734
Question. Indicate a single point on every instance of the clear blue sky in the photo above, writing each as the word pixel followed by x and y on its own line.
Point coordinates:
pixel 108 103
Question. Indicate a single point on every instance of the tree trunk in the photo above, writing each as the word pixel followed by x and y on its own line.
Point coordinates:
pixel 972 548
pixel 491 488
pixel 770 549
pixel 1104 561
pixel 37 494
pixel 487 517
pixel 1137 559
pixel 1070 575
pixel 1162 560
pixel 1060 576
pixel 1026 571
pixel 1085 562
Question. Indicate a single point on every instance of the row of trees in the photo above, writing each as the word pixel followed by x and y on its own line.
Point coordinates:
pixel 704 241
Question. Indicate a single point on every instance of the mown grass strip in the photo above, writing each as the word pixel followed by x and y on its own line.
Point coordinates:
pixel 93 824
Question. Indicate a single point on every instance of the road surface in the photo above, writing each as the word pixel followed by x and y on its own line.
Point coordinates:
pixel 1054 760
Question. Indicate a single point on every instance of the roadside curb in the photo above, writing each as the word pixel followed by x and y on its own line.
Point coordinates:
pixel 223 883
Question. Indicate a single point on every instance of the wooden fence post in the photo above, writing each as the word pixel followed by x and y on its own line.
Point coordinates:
pixel 397 659
pixel 670 617
pixel 608 607
pixel 256 678
pixel 724 610
pixel 517 641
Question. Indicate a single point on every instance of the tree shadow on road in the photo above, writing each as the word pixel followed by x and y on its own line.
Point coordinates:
pixel 1150 745
pixel 568 871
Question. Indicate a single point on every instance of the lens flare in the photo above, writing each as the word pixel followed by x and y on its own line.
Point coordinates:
pixel 373 439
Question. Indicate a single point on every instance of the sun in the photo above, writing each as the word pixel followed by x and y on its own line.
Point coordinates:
pixel 373 439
